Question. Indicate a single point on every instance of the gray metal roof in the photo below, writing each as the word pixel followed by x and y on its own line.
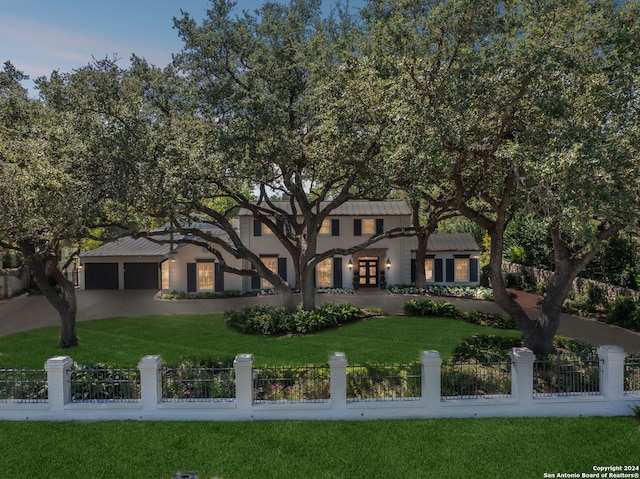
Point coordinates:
pixel 353 208
pixel 129 246
pixel 452 242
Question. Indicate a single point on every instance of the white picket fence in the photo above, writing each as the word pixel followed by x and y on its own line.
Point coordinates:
pixel 62 399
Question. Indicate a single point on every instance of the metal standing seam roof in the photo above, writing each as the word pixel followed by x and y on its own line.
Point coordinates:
pixel 452 242
pixel 353 208
pixel 129 246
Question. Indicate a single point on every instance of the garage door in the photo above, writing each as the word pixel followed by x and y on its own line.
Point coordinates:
pixel 141 276
pixel 101 275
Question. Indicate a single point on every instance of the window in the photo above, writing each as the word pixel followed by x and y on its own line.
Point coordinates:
pixel 368 226
pixel 324 273
pixel 165 275
pixel 428 269
pixel 271 262
pixel 461 269
pixel 325 229
pixel 205 276
pixel 265 229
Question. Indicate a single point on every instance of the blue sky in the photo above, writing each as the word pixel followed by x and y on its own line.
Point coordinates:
pixel 39 36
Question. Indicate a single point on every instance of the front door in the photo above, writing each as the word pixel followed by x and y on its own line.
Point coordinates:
pixel 368 269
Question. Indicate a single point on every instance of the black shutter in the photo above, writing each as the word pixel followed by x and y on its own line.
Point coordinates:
pixel 413 270
pixel 335 227
pixel 257 228
pixel 255 282
pixel 473 270
pixel 337 272
pixel 357 227
pixel 438 272
pixel 379 226
pixel 282 268
pixel 280 225
pixel 218 278
pixel 450 271
pixel 192 285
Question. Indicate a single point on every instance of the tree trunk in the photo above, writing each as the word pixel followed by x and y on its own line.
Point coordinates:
pixel 501 296
pixel 64 301
pixel 307 288
pixel 421 251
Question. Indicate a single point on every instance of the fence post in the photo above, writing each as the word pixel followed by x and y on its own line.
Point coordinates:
pixel 431 378
pixel 612 371
pixel 150 381
pixel 243 364
pixel 338 378
pixel 59 381
pixel 522 375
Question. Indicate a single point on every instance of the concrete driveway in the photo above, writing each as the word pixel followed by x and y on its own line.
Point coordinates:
pixel 27 312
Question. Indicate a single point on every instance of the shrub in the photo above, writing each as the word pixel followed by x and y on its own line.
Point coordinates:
pixel 596 296
pixel 575 346
pixel 485 348
pixel 270 320
pixel 492 320
pixel 514 280
pixel 473 292
pixel 578 303
pixel 623 311
pixel 428 307
pixel 211 295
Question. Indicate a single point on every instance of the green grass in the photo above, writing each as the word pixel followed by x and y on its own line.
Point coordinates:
pixel 435 448
pixel 125 341
pixel 442 448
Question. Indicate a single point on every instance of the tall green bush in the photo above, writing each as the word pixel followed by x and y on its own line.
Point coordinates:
pixel 624 312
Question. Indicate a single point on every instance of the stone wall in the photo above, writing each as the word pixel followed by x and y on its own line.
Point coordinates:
pixel 538 275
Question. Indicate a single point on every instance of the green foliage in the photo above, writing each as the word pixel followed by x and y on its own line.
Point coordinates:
pixel 210 295
pixel 271 320
pixel 615 263
pixel 428 307
pixel 473 292
pixel 575 346
pixel 95 381
pixel 592 299
pixel 624 312
pixel 326 290
pixel 485 348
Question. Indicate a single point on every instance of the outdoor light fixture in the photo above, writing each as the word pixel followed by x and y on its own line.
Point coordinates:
pixel 388 263
pixel 350 264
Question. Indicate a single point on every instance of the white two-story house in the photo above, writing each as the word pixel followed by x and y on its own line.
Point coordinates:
pixel 130 263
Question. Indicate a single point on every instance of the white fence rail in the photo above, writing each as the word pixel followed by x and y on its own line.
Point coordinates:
pixel 427 389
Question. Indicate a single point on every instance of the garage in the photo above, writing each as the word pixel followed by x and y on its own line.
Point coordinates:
pixel 101 275
pixel 141 275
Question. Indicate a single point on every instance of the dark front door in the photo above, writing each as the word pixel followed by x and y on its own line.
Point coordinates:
pixel 368 269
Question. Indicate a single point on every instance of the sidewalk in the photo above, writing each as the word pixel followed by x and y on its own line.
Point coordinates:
pixel 25 313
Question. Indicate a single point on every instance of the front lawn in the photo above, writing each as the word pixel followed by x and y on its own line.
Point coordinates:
pixel 124 341
pixel 404 449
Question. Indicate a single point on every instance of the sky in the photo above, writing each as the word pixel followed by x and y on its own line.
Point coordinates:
pixel 40 36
